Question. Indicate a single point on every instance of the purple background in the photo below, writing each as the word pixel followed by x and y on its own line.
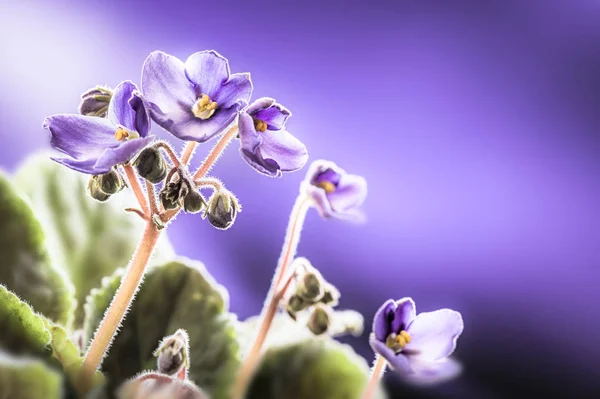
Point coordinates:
pixel 476 124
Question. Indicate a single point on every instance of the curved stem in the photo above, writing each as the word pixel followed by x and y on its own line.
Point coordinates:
pixel 216 152
pixel 134 183
pixel 169 150
pixel 376 375
pixel 121 301
pixel 275 294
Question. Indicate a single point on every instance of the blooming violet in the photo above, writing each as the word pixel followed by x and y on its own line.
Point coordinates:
pixel 334 192
pixel 265 144
pixel 94 145
pixel 195 100
pixel 415 345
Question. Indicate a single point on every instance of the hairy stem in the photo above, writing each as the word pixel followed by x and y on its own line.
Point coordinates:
pixel 288 252
pixel 376 375
pixel 188 152
pixel 134 183
pixel 151 198
pixel 169 150
pixel 216 152
pixel 121 301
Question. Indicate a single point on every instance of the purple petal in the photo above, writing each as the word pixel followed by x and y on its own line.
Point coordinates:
pixel 350 194
pixel 194 129
pixel 142 116
pixel 83 166
pixel 434 334
pixel 397 362
pixel 123 153
pixel 275 116
pixel 236 90
pixel 404 314
pixel 382 322
pixel 425 373
pixel 320 200
pixel 120 111
pixel 260 104
pixel 167 90
pixel 81 137
pixel 207 71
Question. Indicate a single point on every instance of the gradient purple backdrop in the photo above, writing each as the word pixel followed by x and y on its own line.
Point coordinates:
pixel 476 124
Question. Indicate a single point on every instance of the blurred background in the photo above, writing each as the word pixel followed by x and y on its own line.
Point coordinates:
pixel 476 124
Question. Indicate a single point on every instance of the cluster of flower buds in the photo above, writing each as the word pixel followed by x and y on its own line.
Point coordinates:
pixel 101 187
pixel 312 293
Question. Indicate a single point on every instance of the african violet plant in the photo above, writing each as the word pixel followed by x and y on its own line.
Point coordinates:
pixel 74 324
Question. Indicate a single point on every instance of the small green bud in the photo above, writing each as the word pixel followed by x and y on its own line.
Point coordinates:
pixel 94 190
pixel 172 354
pixel 295 304
pixel 310 287
pixel 151 165
pixel 319 320
pixel 94 102
pixel 222 209
pixel 194 202
pixel 111 183
pixel 172 193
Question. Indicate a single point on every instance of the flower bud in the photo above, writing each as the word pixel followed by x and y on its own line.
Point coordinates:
pixel 172 193
pixel 310 287
pixel 222 209
pixel 295 304
pixel 194 202
pixel 94 190
pixel 331 295
pixel 94 102
pixel 319 320
pixel 172 354
pixel 111 183
pixel 151 165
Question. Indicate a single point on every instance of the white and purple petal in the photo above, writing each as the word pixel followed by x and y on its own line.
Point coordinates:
pixel 434 334
pixel 84 166
pixel 397 362
pixel 425 373
pixel 122 153
pixel 80 137
pixel 267 110
pixel 207 71
pixel 404 313
pixel 269 152
pixel 235 92
pixel 120 111
pixel 169 94
pixel 349 195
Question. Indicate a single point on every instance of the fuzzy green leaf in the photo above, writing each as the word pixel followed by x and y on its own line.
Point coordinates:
pixel 91 239
pixel 25 266
pixel 315 368
pixel 28 379
pixel 179 294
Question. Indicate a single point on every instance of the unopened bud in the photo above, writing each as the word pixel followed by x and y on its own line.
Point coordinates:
pixel 172 354
pixel 331 295
pixel 319 320
pixel 222 209
pixel 295 304
pixel 151 165
pixel 94 190
pixel 194 202
pixel 172 193
pixel 310 287
pixel 94 102
pixel 111 183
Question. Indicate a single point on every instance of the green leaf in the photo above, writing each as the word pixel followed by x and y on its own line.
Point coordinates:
pixel 91 239
pixel 25 266
pixel 179 294
pixel 24 332
pixel 28 379
pixel 315 368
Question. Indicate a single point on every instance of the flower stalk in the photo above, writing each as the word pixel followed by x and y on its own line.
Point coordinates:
pixel 376 375
pixel 275 293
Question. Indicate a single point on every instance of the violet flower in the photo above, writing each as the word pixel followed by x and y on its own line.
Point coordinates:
pixel 265 144
pixel 416 346
pixel 94 145
pixel 334 192
pixel 195 100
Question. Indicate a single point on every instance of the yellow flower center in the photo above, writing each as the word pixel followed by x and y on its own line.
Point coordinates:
pixel 397 342
pixel 328 186
pixel 122 134
pixel 260 126
pixel 204 108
